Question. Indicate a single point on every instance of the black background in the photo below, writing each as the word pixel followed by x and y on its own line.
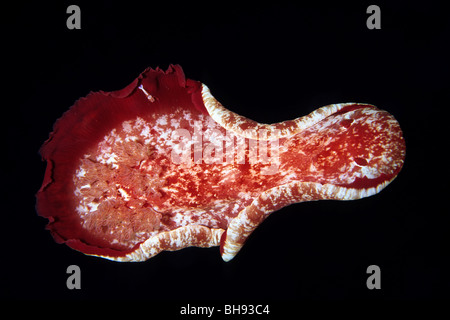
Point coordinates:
pixel 270 62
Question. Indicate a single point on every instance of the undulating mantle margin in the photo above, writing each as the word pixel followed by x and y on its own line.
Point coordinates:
pixel 133 172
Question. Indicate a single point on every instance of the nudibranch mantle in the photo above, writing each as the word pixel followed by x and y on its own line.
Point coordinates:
pixel 162 165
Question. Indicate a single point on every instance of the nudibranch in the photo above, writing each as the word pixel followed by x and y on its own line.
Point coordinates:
pixel 162 165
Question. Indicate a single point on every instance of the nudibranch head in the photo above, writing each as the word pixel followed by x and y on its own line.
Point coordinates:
pixel 162 165
pixel 357 146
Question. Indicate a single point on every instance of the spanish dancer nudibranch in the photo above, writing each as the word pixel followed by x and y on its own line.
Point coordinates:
pixel 162 165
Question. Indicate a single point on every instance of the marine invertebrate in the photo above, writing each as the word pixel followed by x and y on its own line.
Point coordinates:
pixel 162 165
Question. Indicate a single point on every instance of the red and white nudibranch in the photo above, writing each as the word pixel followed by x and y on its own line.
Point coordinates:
pixel 162 165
